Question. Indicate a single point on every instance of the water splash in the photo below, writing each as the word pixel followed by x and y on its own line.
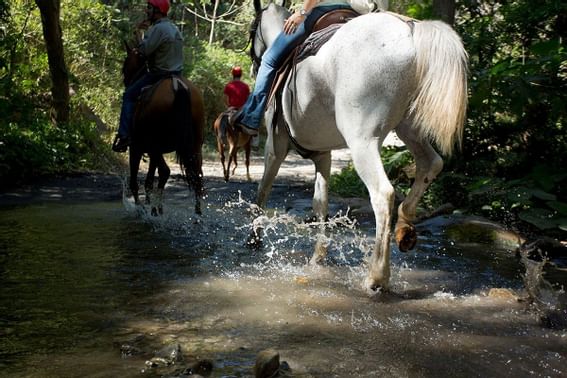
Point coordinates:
pixel 546 299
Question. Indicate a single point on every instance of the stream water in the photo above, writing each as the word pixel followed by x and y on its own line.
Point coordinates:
pixel 92 286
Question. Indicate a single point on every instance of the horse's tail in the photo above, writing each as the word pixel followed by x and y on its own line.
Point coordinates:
pixel 440 101
pixel 188 152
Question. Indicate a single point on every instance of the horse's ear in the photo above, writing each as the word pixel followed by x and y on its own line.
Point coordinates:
pixel 283 4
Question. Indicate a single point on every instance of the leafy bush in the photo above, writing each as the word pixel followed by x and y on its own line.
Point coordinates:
pixel 32 147
pixel 347 183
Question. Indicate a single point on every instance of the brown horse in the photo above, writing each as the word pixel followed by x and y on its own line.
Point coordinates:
pixel 233 140
pixel 169 117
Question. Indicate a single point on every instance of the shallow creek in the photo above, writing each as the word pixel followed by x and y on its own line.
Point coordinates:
pixel 92 286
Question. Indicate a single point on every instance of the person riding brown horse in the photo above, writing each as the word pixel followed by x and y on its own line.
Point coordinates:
pixel 169 116
pixel 162 46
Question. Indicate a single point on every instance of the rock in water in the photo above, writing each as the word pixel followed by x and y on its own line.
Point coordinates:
pixel 267 364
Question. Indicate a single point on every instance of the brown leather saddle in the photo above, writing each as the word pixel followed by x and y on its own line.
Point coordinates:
pixel 330 21
pixel 148 91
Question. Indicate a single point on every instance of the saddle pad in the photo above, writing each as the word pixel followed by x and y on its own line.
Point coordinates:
pixel 308 48
pixel 314 42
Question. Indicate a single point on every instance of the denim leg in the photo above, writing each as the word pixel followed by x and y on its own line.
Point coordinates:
pixel 253 109
pixel 129 99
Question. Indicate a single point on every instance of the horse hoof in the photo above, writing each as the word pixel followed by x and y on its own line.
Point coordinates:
pixel 375 286
pixel 406 237
pixel 316 260
pixel 255 210
pixel 254 240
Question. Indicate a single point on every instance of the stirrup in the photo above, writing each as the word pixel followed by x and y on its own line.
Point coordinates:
pixel 120 144
pixel 246 129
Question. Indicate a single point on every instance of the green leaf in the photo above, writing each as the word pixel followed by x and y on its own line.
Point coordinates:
pixel 482 185
pixel 546 176
pixel 520 196
pixel 541 218
pixel 546 48
pixel 543 195
pixel 560 207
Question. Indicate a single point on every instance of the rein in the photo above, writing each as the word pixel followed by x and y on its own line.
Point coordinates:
pixel 255 30
pixel 139 71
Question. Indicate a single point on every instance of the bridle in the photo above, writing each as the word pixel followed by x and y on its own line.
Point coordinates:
pixel 256 31
pixel 141 70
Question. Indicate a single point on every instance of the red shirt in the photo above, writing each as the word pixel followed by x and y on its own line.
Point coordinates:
pixel 237 92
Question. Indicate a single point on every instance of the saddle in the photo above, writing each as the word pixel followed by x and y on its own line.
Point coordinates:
pixel 324 28
pixel 148 91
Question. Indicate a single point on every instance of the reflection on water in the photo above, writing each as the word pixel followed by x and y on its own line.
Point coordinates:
pixel 98 288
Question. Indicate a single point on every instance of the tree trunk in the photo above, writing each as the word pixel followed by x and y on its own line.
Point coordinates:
pixel 50 10
pixel 444 10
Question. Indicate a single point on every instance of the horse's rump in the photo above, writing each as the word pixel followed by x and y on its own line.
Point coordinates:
pixel 363 77
pixel 377 70
pixel 164 112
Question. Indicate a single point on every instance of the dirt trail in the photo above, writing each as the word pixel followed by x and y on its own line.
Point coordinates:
pixel 106 187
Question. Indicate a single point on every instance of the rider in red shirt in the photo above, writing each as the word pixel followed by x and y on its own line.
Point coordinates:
pixel 235 94
pixel 236 91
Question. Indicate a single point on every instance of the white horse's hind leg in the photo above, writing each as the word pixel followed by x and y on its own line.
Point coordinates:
pixel 322 162
pixel 428 165
pixel 368 165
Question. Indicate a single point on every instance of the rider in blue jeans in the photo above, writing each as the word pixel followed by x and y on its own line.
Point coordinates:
pixel 163 48
pixel 295 31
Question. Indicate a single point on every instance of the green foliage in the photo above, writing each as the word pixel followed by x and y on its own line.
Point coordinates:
pixel 347 183
pixel 518 78
pixel 531 199
pixel 421 10
pixel 210 69
pixel 30 146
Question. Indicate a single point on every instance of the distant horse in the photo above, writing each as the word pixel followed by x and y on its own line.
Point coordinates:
pixel 233 140
pixel 379 72
pixel 168 117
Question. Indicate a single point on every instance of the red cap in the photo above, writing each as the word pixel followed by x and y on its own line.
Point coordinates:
pixel 236 71
pixel 162 5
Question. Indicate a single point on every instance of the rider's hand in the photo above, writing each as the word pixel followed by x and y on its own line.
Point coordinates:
pixel 293 22
pixel 143 25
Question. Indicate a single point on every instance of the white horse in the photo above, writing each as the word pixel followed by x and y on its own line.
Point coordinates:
pixel 376 74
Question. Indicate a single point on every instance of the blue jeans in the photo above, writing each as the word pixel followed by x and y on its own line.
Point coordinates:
pixel 130 97
pixel 273 58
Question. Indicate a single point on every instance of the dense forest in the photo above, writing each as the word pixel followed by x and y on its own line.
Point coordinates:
pixel 61 86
